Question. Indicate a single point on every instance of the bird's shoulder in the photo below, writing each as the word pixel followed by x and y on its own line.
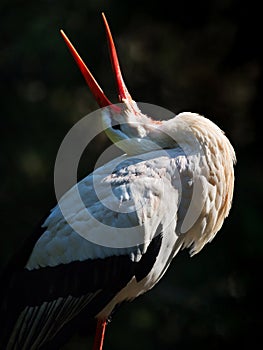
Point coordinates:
pixel 126 193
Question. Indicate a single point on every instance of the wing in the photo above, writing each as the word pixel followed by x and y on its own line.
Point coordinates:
pixel 72 268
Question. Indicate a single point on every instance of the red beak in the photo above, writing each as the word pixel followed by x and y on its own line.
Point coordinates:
pixel 96 90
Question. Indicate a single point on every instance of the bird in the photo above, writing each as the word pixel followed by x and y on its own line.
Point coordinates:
pixel 174 182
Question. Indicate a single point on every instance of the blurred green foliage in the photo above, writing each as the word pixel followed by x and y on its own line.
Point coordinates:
pixel 200 56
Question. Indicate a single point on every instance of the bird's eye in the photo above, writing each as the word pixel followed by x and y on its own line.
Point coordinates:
pixel 116 127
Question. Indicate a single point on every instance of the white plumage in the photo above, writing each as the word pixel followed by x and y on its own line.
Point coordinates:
pixel 174 184
pixel 188 196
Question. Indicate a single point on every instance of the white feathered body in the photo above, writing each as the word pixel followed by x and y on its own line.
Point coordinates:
pixel 186 192
pixel 180 191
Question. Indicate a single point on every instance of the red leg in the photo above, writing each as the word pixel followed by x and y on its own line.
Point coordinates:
pixel 99 336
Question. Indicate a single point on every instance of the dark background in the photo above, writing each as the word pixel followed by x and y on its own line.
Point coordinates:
pixel 199 56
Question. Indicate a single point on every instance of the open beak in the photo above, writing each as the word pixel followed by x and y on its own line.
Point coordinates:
pixel 96 90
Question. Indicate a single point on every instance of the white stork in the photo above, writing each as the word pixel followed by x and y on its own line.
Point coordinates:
pixel 60 274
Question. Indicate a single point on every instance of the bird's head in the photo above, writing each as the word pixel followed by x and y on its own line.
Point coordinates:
pixel 130 129
pixel 133 131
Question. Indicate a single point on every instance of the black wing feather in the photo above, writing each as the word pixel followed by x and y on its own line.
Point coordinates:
pixel 39 297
